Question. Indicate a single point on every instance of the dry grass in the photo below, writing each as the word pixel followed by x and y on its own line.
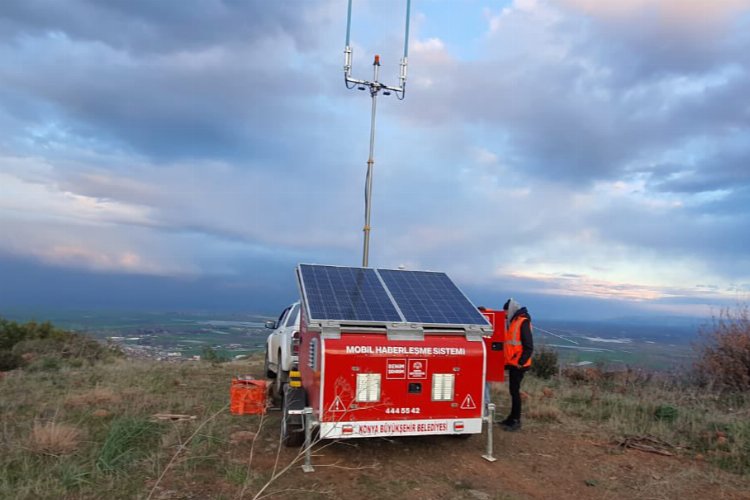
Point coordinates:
pixel 544 412
pixel 53 438
pixel 98 396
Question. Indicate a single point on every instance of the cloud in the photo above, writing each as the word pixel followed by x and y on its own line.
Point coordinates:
pixel 597 146
pixel 167 208
pixel 550 77
pixel 695 14
pixel 723 170
pixel 37 199
pixel 138 26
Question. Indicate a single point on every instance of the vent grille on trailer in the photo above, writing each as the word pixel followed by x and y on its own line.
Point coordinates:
pixel 442 386
pixel 368 387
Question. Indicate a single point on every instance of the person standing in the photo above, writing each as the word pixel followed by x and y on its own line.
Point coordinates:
pixel 518 348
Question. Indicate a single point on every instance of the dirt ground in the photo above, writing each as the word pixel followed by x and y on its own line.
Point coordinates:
pixel 541 461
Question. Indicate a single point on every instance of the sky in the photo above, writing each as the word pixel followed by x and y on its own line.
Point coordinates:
pixel 589 158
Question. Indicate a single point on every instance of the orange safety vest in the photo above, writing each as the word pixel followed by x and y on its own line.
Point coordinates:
pixel 513 347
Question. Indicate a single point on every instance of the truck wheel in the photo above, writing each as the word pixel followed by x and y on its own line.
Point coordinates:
pixel 277 389
pixel 266 368
pixel 292 426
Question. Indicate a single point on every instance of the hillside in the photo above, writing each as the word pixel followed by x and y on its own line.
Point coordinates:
pixel 88 432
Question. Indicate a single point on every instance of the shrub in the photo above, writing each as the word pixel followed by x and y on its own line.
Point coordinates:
pixel 667 413
pixel 45 364
pixel 33 340
pixel 724 355
pixel 212 356
pixel 544 364
pixel 12 333
pixel 9 361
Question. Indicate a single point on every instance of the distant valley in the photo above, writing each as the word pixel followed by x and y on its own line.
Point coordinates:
pixel 650 343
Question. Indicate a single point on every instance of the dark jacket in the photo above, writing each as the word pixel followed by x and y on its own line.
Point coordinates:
pixel 527 341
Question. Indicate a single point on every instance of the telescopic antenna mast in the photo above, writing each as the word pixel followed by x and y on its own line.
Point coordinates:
pixel 375 88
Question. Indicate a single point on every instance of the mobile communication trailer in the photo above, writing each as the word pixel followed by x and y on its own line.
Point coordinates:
pixel 385 353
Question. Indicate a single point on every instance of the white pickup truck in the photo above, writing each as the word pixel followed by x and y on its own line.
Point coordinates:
pixel 282 348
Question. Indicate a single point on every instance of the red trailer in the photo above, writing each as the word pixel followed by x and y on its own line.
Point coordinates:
pixel 389 353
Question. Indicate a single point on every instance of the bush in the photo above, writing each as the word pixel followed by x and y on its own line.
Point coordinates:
pixel 45 364
pixel 9 361
pixel 212 356
pixel 32 340
pixel 666 413
pixel 544 363
pixel 12 333
pixel 724 355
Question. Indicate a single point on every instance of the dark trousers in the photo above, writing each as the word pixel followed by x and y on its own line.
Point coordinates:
pixel 515 376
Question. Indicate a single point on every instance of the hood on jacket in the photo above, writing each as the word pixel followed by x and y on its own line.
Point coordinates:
pixel 513 309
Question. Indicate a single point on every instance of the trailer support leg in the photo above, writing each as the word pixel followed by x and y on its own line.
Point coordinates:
pixel 490 429
pixel 307 415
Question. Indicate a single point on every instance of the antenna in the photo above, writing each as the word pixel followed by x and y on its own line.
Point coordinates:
pixel 375 88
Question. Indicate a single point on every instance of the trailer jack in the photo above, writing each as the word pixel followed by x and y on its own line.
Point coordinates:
pixel 307 416
pixel 490 422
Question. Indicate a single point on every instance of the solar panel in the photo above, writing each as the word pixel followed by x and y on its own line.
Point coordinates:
pixel 430 297
pixel 384 295
pixel 346 294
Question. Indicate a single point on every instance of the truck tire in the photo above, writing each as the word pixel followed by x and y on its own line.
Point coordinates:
pixel 266 367
pixel 292 426
pixel 277 387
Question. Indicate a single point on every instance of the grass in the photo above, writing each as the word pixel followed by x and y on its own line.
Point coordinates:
pixel 694 421
pixel 87 432
pixel 128 439
pixel 54 439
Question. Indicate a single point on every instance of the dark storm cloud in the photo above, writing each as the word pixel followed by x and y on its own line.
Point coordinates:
pixel 161 26
pixel 268 286
pixel 218 80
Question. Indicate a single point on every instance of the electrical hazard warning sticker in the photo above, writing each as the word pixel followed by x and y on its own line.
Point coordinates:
pixel 337 405
pixel 468 403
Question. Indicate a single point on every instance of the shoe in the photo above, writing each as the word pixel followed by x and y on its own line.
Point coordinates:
pixel 514 425
pixel 505 422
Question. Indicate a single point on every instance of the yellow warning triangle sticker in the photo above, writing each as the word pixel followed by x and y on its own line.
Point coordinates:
pixel 337 405
pixel 468 403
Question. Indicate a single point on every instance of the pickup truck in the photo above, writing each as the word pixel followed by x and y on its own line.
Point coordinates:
pixel 282 348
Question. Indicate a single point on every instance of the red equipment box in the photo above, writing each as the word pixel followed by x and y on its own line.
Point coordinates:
pixel 248 396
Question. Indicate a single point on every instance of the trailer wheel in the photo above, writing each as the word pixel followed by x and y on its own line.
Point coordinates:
pixel 292 426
